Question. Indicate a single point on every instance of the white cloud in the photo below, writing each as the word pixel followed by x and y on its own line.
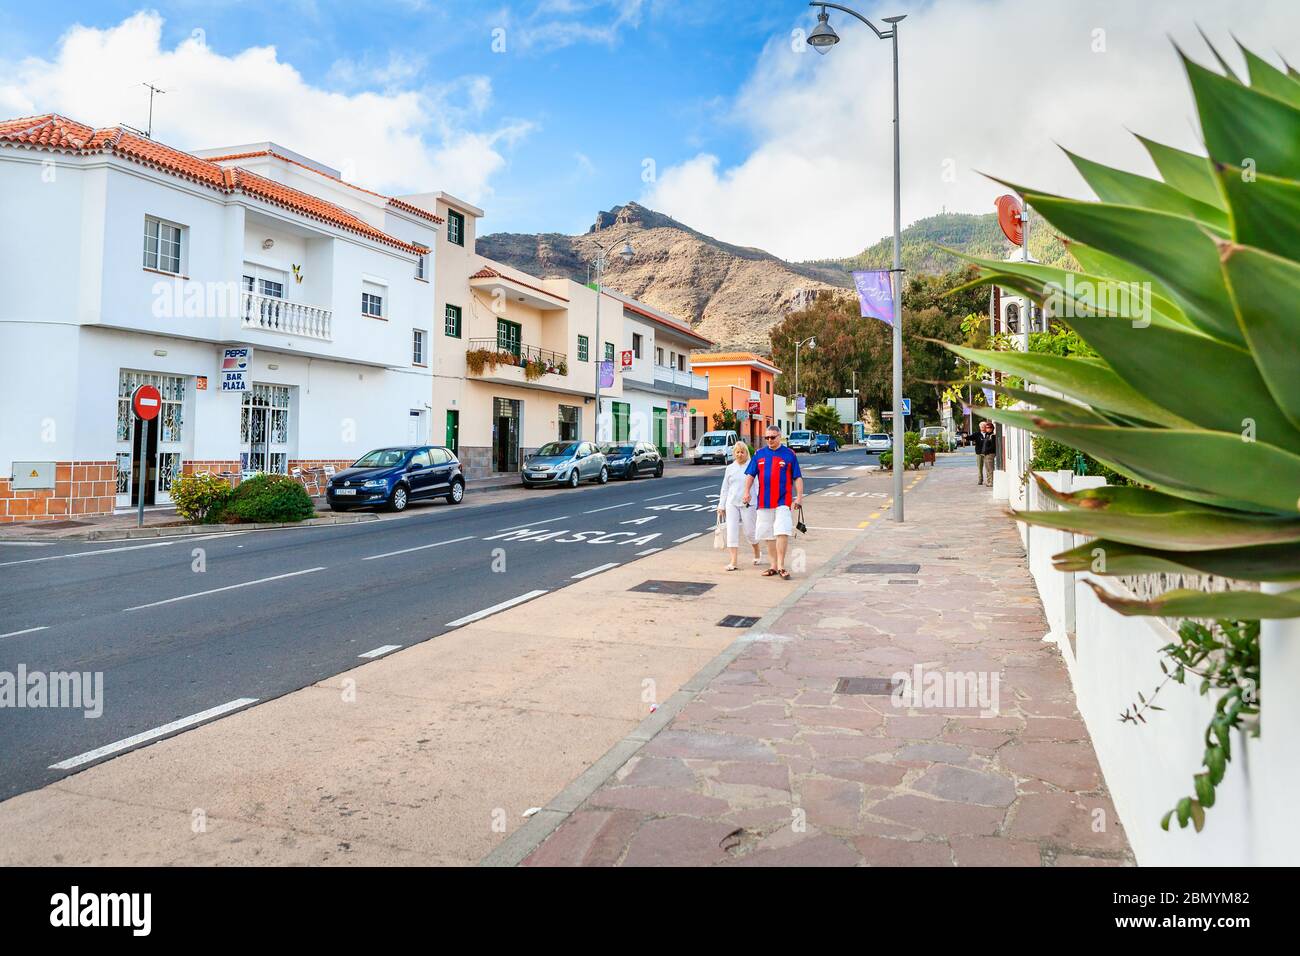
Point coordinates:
pixel 555 24
pixel 986 87
pixel 398 139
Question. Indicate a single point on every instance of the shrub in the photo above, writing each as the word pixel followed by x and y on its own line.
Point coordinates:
pixel 200 498
pixel 913 454
pixel 1052 455
pixel 268 498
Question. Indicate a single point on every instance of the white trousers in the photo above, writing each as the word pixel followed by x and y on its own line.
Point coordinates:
pixel 739 519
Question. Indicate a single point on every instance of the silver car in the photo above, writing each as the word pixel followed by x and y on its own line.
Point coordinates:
pixel 878 443
pixel 565 463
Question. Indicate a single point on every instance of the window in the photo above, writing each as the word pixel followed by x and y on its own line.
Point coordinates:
pixel 582 348
pixel 259 284
pixel 372 305
pixel 455 227
pixel 768 387
pixel 420 266
pixel 439 456
pixel 451 321
pixel 421 458
pixel 681 363
pixel 417 346
pixel 636 345
pixel 659 356
pixel 162 246
pixel 609 351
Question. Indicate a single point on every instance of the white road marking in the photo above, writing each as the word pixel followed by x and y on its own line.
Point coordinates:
pixel 228 587
pixel 703 488
pixel 29 630
pixel 687 537
pixel 812 467
pixel 88 554
pixel 837 467
pixel 381 651
pixel 219 534
pixel 657 497
pixel 626 504
pixel 488 611
pixel 154 734
pixel 533 524
pixel 861 467
pixel 26 544
pixel 422 547
pixel 647 551
pixel 596 570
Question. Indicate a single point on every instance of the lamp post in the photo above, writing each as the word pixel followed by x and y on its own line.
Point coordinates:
pixel 811 342
pixel 601 251
pixel 821 39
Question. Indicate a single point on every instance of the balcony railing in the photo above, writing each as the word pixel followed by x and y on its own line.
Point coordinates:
pixel 667 375
pixel 505 353
pixel 271 314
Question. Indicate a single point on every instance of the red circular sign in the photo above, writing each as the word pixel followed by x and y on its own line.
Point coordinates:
pixel 146 402
pixel 1011 219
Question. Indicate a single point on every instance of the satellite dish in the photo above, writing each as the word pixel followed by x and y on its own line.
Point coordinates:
pixel 1011 219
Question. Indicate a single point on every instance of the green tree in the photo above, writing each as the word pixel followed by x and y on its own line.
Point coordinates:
pixel 724 420
pixel 822 418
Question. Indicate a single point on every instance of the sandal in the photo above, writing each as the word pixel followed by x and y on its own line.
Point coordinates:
pixel 785 575
pixel 731 567
pixel 770 573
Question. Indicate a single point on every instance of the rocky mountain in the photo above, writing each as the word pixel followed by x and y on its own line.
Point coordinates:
pixel 734 295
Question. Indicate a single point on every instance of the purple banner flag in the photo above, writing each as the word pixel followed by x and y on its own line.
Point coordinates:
pixel 606 374
pixel 875 295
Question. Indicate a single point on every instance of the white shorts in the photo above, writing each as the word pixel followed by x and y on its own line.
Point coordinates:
pixel 773 522
pixel 740 519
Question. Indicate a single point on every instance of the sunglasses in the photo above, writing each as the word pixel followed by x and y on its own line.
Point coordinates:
pixel 773 437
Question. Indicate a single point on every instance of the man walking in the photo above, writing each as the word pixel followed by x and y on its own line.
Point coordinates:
pixel 780 488
pixel 986 447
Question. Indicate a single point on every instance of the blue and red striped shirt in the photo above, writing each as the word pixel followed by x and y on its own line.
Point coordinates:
pixel 775 473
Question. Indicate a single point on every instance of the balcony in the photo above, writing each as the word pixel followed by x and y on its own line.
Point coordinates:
pixel 672 381
pixel 489 355
pixel 271 314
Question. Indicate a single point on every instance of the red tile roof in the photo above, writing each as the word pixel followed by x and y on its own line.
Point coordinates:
pixel 487 272
pixel 60 134
pixel 665 321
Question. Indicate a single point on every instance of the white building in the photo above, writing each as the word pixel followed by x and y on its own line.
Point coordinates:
pixel 140 263
pixel 659 388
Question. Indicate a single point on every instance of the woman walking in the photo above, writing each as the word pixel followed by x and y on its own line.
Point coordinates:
pixel 737 516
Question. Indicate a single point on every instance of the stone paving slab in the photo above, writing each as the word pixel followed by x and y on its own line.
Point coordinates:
pixel 984 763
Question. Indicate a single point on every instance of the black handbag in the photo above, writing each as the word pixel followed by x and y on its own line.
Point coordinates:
pixel 799 525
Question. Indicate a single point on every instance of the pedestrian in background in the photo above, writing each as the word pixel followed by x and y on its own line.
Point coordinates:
pixel 780 488
pixel 739 518
pixel 986 446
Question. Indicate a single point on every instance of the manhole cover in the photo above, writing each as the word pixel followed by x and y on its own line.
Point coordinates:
pixel 688 588
pixel 737 620
pixel 56 525
pixel 868 686
pixel 882 569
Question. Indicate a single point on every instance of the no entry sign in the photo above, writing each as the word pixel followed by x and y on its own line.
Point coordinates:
pixel 146 403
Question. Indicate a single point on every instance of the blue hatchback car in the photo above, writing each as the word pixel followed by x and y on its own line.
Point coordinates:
pixel 827 442
pixel 394 477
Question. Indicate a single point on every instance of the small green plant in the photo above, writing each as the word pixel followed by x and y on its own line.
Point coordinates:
pixel 913 454
pixel 1225 656
pixel 534 369
pixel 724 420
pixel 1051 455
pixel 268 498
pixel 563 367
pixel 200 498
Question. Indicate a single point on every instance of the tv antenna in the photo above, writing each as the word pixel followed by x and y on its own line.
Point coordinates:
pixel 153 90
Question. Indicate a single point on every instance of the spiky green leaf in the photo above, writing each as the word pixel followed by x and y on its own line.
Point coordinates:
pixel 1225 605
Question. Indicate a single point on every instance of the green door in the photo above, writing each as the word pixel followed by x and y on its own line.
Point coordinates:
pixel 661 430
pixel 508 336
pixel 453 431
pixel 622 418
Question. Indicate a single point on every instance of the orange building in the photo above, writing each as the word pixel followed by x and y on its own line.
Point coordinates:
pixel 736 378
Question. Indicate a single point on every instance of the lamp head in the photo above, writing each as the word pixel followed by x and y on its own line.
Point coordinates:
pixel 823 36
pixel 626 252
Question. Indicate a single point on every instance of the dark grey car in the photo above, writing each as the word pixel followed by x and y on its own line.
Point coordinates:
pixel 565 463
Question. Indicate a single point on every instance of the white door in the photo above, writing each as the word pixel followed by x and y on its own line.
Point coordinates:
pixel 166 451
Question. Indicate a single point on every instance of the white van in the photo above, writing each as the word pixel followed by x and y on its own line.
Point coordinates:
pixel 716 447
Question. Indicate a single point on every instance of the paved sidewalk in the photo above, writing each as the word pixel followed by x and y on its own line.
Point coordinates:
pixel 770 765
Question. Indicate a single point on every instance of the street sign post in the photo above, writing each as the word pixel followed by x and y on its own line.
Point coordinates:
pixel 907 407
pixel 146 403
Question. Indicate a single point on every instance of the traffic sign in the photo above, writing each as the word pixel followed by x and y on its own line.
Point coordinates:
pixel 627 358
pixel 907 407
pixel 146 403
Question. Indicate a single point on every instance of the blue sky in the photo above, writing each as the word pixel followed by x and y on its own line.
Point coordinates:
pixel 713 111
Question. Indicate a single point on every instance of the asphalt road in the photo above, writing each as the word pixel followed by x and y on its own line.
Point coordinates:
pixel 181 628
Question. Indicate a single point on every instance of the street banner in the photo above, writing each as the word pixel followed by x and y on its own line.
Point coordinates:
pixel 236 365
pixel 800 404
pixel 606 374
pixel 875 294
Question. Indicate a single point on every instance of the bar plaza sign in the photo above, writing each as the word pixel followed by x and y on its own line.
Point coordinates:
pixel 236 368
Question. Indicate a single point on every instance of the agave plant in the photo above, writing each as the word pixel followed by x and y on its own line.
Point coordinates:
pixel 1189 291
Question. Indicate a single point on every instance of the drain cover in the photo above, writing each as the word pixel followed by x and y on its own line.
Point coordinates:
pixel 869 686
pixel 737 620
pixel 882 569
pixel 55 525
pixel 673 587
pixel 904 581
pixel 943 558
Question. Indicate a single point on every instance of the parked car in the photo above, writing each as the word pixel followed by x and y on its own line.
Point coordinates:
pixel 802 441
pixel 633 459
pixel 826 442
pixel 393 477
pixel 718 447
pixel 878 442
pixel 565 463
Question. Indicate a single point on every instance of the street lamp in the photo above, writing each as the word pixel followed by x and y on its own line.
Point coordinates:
pixel 811 342
pixel 626 254
pixel 821 39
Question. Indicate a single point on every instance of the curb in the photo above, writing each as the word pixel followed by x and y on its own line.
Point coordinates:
pixel 126 534
pixel 516 847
